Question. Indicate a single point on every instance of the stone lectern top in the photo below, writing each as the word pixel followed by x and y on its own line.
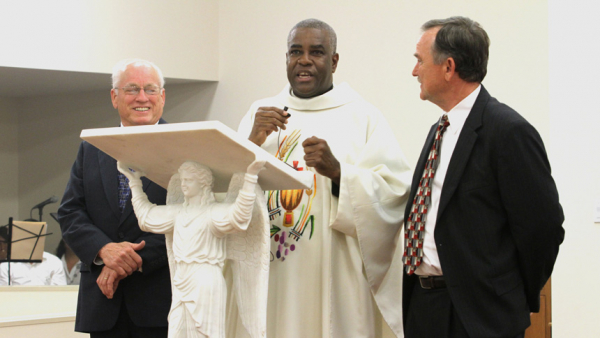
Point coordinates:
pixel 160 149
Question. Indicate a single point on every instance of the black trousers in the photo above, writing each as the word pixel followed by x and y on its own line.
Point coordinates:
pixel 431 314
pixel 125 328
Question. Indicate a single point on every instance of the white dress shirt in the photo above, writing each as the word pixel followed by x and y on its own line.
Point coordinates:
pixel 73 276
pixel 430 265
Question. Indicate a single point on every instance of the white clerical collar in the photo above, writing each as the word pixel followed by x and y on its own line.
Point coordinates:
pixel 458 115
pixel 305 98
pixel 340 95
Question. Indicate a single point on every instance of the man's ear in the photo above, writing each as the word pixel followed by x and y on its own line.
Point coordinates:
pixel 334 62
pixel 113 97
pixel 449 69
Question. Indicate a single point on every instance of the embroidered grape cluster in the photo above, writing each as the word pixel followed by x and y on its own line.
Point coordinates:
pixel 283 248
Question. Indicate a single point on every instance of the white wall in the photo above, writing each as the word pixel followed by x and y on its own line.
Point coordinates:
pixel 574 113
pixel 91 36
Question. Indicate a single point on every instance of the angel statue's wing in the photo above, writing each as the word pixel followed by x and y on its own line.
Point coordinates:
pixel 249 254
pixel 174 196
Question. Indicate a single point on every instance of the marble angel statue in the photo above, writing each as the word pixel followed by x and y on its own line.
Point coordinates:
pixel 201 234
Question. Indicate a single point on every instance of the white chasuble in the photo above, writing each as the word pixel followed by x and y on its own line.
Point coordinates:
pixel 330 255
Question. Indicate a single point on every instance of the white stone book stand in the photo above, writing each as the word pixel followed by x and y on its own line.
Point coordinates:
pixel 159 150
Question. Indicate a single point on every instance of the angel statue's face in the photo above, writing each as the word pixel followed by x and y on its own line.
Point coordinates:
pixel 190 186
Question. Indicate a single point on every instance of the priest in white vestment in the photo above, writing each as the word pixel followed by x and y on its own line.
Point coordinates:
pixel 332 245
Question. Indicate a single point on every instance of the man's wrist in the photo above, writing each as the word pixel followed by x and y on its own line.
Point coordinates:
pixel 98 260
pixel 337 175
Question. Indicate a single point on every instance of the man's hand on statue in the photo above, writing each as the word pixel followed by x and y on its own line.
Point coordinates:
pixel 108 281
pixel 136 174
pixel 122 257
pixel 266 121
pixel 318 155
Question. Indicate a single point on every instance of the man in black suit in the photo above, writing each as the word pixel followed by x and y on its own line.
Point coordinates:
pixel 125 288
pixel 490 216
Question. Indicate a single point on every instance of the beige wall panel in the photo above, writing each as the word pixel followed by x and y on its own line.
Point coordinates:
pixel 9 159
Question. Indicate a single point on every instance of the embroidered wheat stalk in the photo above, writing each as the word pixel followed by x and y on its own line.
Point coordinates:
pixel 289 142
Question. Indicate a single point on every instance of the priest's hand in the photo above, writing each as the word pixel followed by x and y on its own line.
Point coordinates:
pixel 108 281
pixel 122 257
pixel 266 121
pixel 317 154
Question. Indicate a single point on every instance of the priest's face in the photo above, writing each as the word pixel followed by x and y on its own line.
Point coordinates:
pixel 310 62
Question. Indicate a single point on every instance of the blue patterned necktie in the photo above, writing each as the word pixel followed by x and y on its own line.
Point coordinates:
pixel 415 224
pixel 124 191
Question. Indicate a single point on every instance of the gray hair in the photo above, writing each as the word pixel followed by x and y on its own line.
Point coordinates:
pixel 317 24
pixel 122 65
pixel 203 175
pixel 465 41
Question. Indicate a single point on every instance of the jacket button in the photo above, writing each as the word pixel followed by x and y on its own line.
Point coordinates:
pixel 121 235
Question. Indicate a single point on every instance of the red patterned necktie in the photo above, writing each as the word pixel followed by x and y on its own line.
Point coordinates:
pixel 415 224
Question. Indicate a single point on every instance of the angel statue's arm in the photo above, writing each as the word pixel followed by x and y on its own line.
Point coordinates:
pixel 154 218
pixel 236 217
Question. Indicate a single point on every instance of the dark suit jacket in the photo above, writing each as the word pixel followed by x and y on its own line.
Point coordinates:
pixel 499 223
pixel 90 218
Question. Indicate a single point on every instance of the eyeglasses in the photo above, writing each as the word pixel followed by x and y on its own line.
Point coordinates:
pixel 135 90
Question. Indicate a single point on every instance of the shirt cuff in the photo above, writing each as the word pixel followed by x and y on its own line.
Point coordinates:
pixel 98 261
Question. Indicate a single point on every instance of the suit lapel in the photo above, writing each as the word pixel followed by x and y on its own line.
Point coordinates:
pixel 462 151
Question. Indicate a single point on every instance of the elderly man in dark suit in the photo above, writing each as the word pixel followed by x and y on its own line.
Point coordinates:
pixel 125 286
pixel 484 226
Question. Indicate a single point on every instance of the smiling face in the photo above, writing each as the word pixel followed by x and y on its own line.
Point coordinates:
pixel 140 109
pixel 310 62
